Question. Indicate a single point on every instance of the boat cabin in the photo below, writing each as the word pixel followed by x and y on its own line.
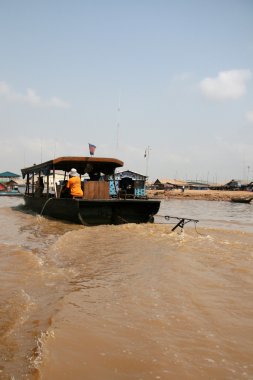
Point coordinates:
pixel 94 173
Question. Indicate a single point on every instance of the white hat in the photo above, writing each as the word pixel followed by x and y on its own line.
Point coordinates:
pixel 73 173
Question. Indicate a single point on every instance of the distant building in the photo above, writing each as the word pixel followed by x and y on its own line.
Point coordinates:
pixel 3 187
pixel 7 176
pixel 237 184
pixel 168 184
pixel 197 185
pixel 9 180
pixel 128 183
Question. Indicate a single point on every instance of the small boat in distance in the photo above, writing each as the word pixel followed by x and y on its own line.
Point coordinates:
pixel 98 205
pixel 241 199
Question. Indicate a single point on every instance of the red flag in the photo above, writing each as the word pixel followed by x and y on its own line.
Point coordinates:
pixel 92 149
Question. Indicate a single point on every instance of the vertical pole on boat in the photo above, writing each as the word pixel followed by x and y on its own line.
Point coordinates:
pixel 40 151
pixel 54 148
pixel 33 184
pixel 27 184
pixel 47 186
pixel 147 158
pixel 54 177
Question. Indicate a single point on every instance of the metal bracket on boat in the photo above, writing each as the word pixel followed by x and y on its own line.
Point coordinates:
pixel 181 221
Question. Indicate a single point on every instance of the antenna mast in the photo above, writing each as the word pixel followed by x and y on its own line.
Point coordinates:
pixel 118 124
pixel 147 152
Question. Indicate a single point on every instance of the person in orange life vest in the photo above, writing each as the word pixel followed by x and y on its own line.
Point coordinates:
pixel 74 184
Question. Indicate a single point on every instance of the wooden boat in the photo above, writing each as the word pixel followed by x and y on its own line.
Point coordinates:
pixel 97 205
pixel 241 199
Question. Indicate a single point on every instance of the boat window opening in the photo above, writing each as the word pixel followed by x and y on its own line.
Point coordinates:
pixel 94 176
pixel 127 186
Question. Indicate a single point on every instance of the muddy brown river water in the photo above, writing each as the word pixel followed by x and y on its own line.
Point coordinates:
pixel 127 302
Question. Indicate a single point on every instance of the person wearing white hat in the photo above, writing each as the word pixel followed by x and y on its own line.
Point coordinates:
pixel 74 184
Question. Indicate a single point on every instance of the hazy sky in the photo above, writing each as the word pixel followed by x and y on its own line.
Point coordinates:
pixel 175 76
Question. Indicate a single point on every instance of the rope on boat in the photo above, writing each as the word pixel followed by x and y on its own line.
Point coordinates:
pixel 81 219
pixel 124 221
pixel 49 199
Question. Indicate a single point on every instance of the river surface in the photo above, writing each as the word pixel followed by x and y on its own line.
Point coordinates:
pixel 130 302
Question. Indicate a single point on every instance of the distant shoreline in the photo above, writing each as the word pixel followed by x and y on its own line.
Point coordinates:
pixel 209 195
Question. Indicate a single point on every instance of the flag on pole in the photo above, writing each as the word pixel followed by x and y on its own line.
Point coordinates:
pixel 92 149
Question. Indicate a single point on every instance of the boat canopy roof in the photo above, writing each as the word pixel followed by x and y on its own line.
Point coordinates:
pixel 81 164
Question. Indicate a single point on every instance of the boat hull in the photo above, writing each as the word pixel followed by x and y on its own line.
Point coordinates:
pixel 95 212
pixel 241 200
